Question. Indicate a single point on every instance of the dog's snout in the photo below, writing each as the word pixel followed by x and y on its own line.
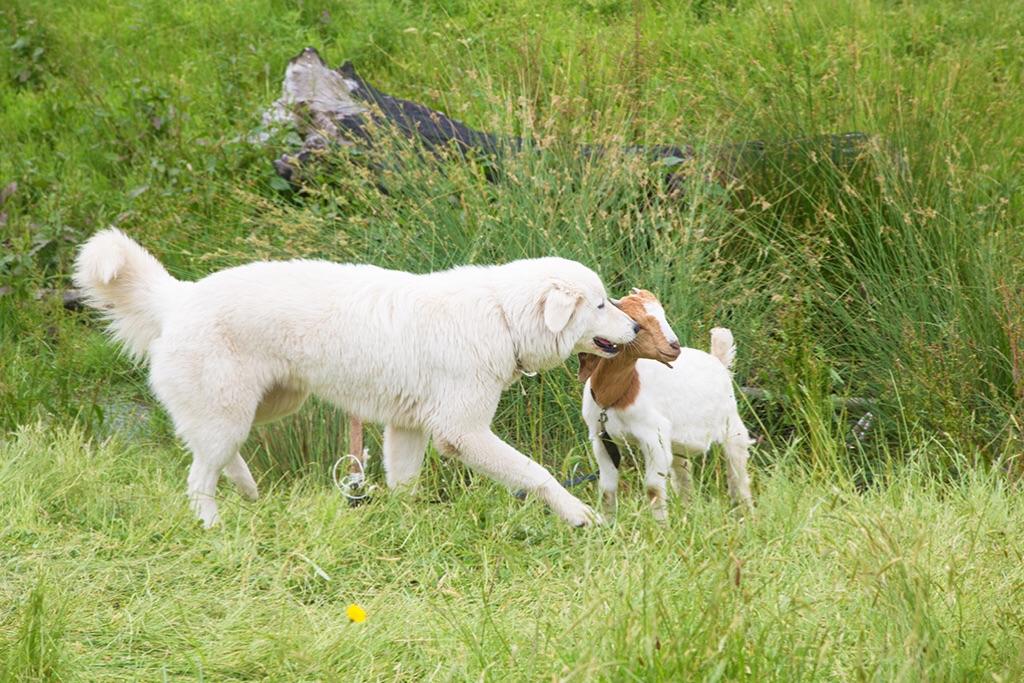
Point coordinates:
pixel 674 344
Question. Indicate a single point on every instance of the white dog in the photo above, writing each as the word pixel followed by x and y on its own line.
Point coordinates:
pixel 426 355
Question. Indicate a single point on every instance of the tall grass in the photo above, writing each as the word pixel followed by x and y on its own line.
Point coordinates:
pixel 893 276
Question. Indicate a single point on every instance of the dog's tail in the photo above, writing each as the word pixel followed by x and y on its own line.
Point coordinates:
pixel 128 285
pixel 723 347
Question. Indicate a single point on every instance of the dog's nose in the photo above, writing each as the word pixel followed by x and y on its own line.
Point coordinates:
pixel 675 345
pixel 636 328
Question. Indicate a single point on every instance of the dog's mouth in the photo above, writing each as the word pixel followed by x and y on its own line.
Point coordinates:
pixel 606 346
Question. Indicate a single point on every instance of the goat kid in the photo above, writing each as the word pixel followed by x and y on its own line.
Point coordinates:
pixel 669 411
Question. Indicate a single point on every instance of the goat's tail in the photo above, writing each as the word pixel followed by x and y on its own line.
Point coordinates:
pixel 723 347
pixel 126 283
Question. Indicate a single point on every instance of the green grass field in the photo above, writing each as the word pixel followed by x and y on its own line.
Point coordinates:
pixel 896 280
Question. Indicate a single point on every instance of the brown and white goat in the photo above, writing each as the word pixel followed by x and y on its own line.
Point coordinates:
pixel 669 411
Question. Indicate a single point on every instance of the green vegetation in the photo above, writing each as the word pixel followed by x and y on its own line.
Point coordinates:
pixel 108 577
pixel 897 280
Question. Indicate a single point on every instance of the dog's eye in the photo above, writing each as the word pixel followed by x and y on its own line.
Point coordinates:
pixel 601 305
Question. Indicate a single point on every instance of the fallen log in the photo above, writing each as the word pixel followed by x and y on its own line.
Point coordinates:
pixel 328 106
pixel 336 107
pixel 848 403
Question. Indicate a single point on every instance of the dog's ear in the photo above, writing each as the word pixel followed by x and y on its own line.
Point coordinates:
pixel 588 363
pixel 559 305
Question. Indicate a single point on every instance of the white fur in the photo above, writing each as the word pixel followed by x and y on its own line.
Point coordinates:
pixel 723 347
pixel 655 310
pixel 426 355
pixel 679 411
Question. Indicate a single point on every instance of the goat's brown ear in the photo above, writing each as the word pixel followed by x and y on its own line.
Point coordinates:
pixel 588 363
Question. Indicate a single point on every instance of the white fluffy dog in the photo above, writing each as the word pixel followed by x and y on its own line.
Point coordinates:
pixel 426 355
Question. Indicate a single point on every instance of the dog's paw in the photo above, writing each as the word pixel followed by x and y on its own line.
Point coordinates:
pixel 592 518
pixel 577 513
pixel 206 510
pixel 567 506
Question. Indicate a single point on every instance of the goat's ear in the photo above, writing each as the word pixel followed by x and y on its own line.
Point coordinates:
pixel 588 363
pixel 559 305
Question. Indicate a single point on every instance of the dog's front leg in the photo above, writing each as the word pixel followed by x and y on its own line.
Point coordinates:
pixel 404 450
pixel 484 452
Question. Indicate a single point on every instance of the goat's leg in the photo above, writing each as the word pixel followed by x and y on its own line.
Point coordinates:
pixel 681 475
pixel 608 479
pixel 657 465
pixel 736 448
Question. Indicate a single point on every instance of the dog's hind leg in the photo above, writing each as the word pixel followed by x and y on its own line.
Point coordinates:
pixel 214 445
pixel 238 472
pixel 404 450
pixel 212 399
pixel 280 400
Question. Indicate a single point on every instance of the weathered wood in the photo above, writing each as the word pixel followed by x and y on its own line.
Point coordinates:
pixel 71 299
pixel 851 403
pixel 337 107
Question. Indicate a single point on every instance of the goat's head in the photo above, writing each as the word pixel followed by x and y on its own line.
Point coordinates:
pixel 655 339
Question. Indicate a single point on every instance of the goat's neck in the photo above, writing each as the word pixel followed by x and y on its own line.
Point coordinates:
pixel 615 382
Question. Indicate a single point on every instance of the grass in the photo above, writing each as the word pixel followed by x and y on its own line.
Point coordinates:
pixel 896 279
pixel 107 577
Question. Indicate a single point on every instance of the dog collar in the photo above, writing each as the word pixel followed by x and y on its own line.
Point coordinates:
pixel 523 371
pixel 515 349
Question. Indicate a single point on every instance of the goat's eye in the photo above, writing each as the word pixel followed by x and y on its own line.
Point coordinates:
pixel 601 305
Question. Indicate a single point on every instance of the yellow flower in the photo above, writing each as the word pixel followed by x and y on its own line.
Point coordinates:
pixel 355 613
